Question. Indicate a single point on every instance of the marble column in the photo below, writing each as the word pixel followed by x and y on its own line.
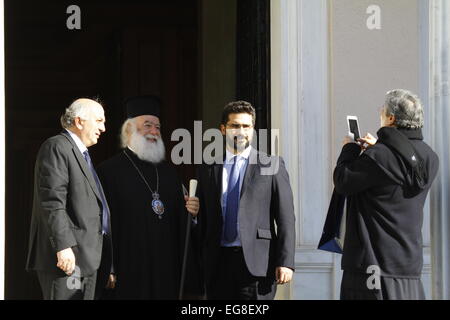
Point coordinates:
pixel 300 109
pixel 439 104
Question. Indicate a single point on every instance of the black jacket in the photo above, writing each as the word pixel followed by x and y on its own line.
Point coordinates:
pixel 385 207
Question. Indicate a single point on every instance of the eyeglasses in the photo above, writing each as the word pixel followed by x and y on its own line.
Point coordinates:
pixel 235 126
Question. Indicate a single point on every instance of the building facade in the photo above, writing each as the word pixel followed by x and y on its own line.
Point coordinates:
pixel 328 59
pixel 332 58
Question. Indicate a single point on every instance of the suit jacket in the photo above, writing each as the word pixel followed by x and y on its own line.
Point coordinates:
pixel 67 208
pixel 266 198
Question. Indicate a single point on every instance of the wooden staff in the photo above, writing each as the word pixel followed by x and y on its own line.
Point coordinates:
pixel 192 190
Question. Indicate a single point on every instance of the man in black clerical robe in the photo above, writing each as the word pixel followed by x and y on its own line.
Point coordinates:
pixel 149 211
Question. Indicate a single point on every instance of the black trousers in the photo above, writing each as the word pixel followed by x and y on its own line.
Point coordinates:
pixel 58 286
pixel 235 282
pixel 104 270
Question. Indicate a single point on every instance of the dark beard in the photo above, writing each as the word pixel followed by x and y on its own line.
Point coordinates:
pixel 234 145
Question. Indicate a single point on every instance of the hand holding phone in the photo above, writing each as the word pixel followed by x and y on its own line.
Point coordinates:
pixel 368 141
pixel 353 127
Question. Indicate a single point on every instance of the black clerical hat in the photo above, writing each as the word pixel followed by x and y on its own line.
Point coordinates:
pixel 143 105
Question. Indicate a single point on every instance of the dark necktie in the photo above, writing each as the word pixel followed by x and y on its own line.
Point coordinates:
pixel 231 213
pixel 105 214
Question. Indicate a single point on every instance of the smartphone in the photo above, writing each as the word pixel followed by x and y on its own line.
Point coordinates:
pixel 353 127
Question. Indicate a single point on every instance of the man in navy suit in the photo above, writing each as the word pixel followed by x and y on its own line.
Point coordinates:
pixel 246 222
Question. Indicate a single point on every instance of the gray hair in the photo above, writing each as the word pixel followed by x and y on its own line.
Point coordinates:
pixel 406 107
pixel 78 108
pixel 124 134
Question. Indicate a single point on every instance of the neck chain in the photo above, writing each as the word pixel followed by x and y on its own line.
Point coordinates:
pixel 157 205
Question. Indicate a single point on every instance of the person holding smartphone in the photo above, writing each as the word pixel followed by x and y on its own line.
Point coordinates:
pixel 386 181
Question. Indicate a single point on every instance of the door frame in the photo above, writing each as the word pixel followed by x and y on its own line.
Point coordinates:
pixel 2 153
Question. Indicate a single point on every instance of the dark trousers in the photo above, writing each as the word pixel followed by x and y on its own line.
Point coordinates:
pixel 104 270
pixel 354 287
pixel 235 282
pixel 57 286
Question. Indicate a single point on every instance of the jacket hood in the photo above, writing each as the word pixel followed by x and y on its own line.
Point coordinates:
pixel 404 162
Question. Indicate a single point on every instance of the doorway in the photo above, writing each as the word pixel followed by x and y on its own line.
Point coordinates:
pixel 124 48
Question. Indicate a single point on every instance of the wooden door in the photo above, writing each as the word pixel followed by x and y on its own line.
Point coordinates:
pixel 163 61
pixel 123 49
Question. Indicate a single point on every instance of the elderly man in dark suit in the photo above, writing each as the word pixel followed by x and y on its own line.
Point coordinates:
pixel 246 221
pixel 70 218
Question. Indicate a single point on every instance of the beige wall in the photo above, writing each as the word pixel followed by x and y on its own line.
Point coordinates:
pixel 367 63
pixel 326 64
pixel 218 58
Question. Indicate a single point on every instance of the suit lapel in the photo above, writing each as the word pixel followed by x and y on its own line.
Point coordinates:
pixel 83 165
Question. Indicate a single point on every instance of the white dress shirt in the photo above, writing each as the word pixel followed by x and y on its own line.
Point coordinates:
pixel 242 162
pixel 78 141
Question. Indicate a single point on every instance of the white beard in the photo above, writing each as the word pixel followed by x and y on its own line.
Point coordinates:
pixel 147 150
